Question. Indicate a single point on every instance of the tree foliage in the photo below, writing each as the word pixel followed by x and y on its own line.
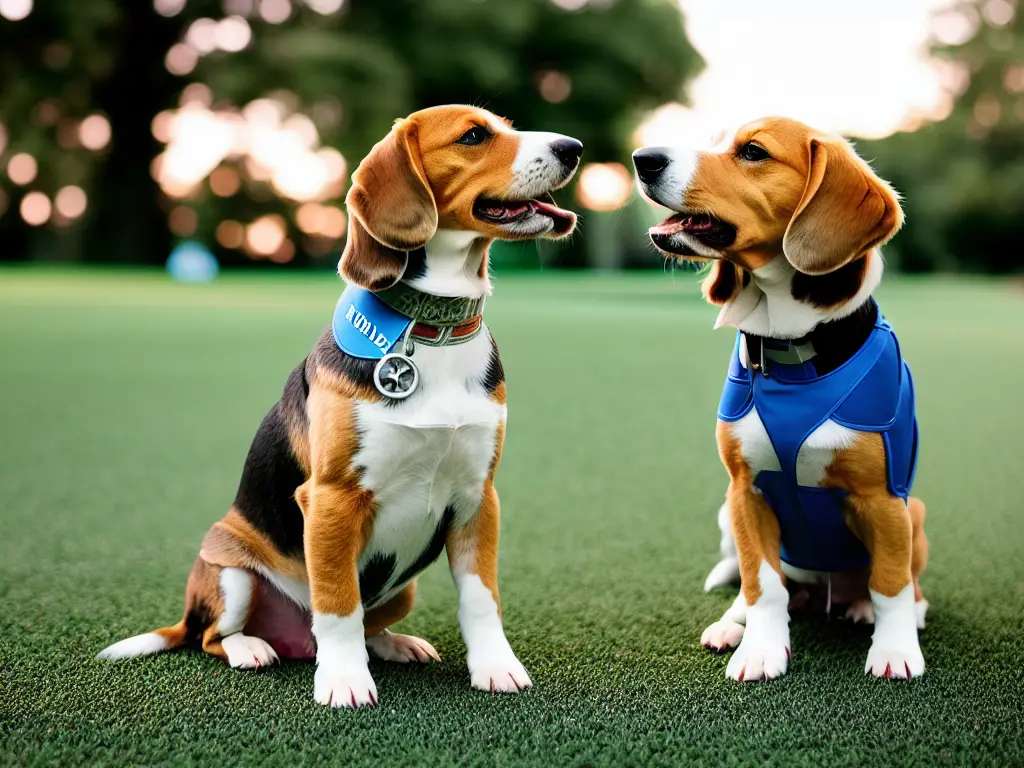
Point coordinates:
pixel 963 177
pixel 352 71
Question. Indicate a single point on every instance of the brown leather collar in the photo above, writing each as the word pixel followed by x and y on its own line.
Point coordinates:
pixel 434 335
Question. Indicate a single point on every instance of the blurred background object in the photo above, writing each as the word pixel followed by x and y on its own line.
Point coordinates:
pixel 128 127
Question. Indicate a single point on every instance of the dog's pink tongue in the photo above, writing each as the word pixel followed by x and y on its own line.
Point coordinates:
pixel 564 220
pixel 670 226
pixel 508 210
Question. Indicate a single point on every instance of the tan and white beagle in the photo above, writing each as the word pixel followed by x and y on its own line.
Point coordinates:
pixel 817 414
pixel 347 494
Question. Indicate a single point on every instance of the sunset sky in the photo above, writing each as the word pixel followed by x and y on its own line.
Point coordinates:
pixel 857 67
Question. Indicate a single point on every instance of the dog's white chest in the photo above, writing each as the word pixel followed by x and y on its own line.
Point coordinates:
pixel 426 459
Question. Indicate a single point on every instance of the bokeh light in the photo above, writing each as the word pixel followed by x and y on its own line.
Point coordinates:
pixel 196 93
pixel 230 234
pixel 998 13
pixel 324 220
pixel 22 169
pixel 554 86
pixel 182 220
pixel 233 34
pixel 36 209
pixel 265 235
pixel 285 253
pixel 275 11
pixel 168 8
pixel 46 112
pixel 15 10
pixel 71 202
pixel 570 5
pixel 325 7
pixel 225 182
pixel 202 35
pixel 94 132
pixel 181 59
pixel 604 186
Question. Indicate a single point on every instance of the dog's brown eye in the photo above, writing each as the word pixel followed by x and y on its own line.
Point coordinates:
pixel 752 152
pixel 475 135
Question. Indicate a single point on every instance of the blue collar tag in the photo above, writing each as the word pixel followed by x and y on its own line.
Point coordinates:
pixel 366 327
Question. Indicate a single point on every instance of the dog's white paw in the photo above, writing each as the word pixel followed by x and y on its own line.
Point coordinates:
pixel 401 648
pixel 860 611
pixel 895 650
pixel 760 658
pixel 898 662
pixel 248 652
pixel 341 685
pixel 499 674
pixel 722 635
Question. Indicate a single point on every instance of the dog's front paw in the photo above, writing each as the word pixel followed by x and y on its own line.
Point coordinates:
pixel 895 650
pixel 760 656
pixel 342 685
pixel 899 662
pixel 722 636
pixel 499 674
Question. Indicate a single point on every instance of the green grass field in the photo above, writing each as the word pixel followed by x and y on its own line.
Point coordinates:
pixel 127 404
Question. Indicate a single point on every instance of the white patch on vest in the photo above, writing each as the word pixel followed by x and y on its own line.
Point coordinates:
pixel 429 452
pixel 816 454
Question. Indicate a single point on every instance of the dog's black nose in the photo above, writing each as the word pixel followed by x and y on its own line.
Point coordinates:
pixel 567 151
pixel 650 162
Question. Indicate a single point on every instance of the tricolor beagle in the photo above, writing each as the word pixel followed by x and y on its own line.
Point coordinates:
pixel 816 425
pixel 355 480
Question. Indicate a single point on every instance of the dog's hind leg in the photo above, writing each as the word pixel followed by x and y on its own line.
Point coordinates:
pixel 218 602
pixel 390 646
pixel 727 570
pixel 727 632
pixel 233 595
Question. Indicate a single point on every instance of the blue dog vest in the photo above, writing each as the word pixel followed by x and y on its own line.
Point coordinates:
pixel 871 392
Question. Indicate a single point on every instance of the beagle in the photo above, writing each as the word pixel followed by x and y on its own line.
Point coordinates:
pixel 359 476
pixel 816 424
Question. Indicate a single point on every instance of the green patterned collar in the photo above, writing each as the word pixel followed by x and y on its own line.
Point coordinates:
pixel 440 311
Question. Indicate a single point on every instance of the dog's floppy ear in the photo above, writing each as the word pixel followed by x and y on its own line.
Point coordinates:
pixel 845 210
pixel 391 210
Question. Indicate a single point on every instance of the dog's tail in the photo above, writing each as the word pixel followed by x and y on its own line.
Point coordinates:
pixel 151 642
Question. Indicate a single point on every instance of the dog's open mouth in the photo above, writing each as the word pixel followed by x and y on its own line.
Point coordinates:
pixel 702 227
pixel 506 212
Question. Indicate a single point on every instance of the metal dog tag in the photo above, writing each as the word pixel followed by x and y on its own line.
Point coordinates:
pixel 396 376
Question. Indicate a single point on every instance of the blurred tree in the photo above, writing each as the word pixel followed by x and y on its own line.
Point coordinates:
pixel 963 176
pixel 250 97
